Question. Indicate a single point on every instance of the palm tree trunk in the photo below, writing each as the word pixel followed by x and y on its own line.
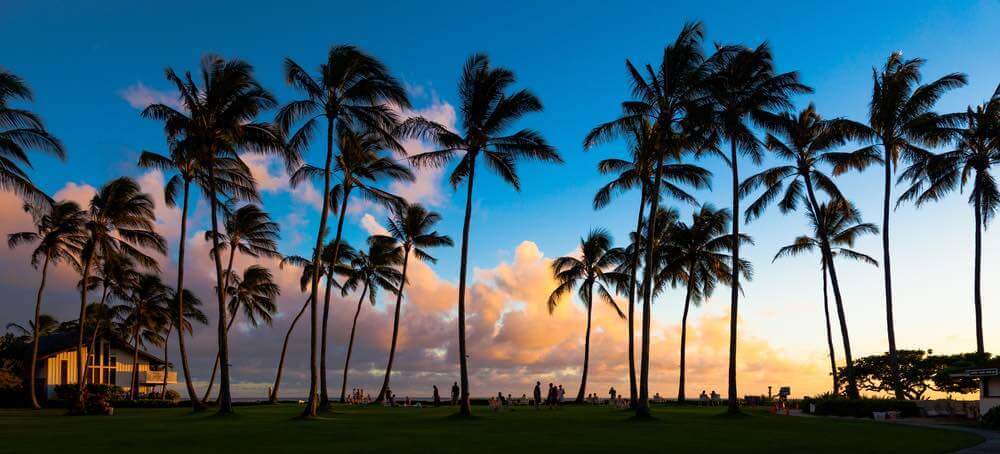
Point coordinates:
pixel 734 400
pixel 273 398
pixel 211 381
pixel 684 330
pixel 642 405
pixel 192 394
pixel 633 388
pixel 324 401
pixel 977 277
pixel 225 399
pixel 827 255
pixel 350 345
pixel 887 269
pixel 94 336
pixel 79 406
pixel 829 335
pixel 310 409
pixel 166 352
pixel 34 344
pixel 586 344
pixel 395 329
pixel 465 409
pixel 134 392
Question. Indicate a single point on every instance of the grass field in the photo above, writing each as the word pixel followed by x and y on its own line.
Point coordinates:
pixel 272 429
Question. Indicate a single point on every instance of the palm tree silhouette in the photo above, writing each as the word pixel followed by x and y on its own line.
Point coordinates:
pixel 487 111
pixel 900 123
pixel 218 120
pixel 352 91
pixel 594 268
pixel 58 232
pixel 977 150
pixel 304 282
pixel 119 221
pixel 698 256
pixel 410 231
pixel 371 270
pixel 192 313
pixel 805 140
pixel 744 85
pixel 21 130
pixel 841 224
pixel 146 314
pixel 637 172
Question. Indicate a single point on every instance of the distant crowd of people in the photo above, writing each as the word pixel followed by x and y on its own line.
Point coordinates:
pixel 359 397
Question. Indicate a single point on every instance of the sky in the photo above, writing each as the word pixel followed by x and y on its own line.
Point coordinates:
pixel 94 65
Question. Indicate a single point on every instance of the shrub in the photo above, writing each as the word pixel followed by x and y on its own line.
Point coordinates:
pixel 172 396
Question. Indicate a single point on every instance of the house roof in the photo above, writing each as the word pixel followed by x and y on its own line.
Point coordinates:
pixel 66 340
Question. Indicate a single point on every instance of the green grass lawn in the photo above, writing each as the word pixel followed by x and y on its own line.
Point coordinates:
pixel 272 429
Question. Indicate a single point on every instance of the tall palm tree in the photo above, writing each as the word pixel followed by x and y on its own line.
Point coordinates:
pixel 744 86
pixel 593 269
pixel 147 314
pixel 219 121
pixel 805 141
pixel 353 89
pixel 410 231
pixel 633 173
pixel 20 131
pixel 670 97
pixel 190 166
pixel 371 271
pixel 698 256
pixel 487 111
pixel 192 313
pixel 841 224
pixel 254 294
pixel 304 282
pixel 977 150
pixel 58 232
pixel 119 222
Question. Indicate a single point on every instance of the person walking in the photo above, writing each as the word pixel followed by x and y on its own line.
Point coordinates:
pixel 437 397
pixel 538 395
pixel 562 394
pixel 454 394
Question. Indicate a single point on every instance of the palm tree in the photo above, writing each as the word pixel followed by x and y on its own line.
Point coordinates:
pixel 371 270
pixel 977 150
pixel 353 89
pixel 218 120
pixel 670 97
pixel 805 140
pixel 115 276
pixel 59 236
pixel 192 313
pixel 147 314
pixel 21 130
pixel 698 256
pixel 594 268
pixel 45 325
pixel 184 158
pixel 304 281
pixel 744 86
pixel 410 231
pixel 841 224
pixel 637 172
pixel 119 221
pixel 487 111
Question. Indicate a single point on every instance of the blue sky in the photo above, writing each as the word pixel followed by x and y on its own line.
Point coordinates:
pixel 81 58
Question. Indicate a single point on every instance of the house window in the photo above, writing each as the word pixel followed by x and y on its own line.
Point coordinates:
pixel 64 372
pixel 112 370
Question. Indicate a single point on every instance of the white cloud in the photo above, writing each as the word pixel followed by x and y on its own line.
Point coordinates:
pixel 138 95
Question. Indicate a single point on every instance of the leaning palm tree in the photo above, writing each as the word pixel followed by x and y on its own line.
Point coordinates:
pixel 410 231
pixel 20 131
pixel 251 232
pixel 116 276
pixel 353 89
pixel 192 313
pixel 670 97
pixel 58 232
pixel 119 222
pixel 744 86
pixel 593 269
pixel 698 256
pixel 487 112
pixel 304 282
pixel 370 270
pixel 254 294
pixel 841 224
pixel 977 150
pixel 637 173
pixel 185 159
pixel 147 314
pixel 218 119
pixel 900 123
pixel 804 140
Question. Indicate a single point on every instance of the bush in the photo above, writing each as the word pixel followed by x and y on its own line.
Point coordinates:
pixel 172 396
pixel 991 419
pixel 861 408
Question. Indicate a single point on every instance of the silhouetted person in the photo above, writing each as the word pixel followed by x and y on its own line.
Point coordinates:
pixel 437 397
pixel 613 392
pixel 538 394
pixel 454 394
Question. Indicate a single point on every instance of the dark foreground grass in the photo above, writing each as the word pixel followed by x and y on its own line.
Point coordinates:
pixel 272 429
